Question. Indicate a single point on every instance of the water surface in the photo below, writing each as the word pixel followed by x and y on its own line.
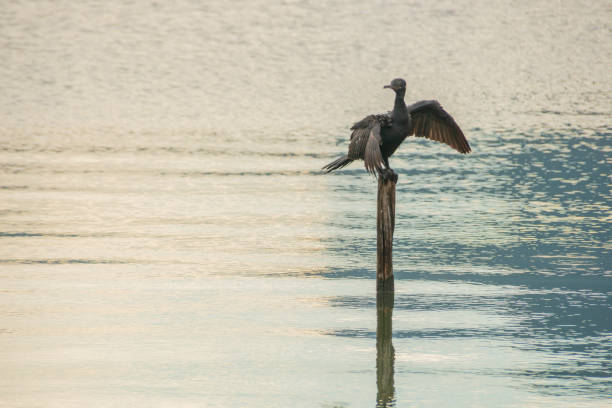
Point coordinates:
pixel 166 238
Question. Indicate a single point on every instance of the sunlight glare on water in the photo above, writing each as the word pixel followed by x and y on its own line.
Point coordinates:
pixel 166 238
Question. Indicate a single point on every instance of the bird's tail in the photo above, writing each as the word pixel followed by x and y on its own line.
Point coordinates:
pixel 339 163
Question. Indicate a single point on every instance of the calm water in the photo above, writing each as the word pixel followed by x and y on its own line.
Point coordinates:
pixel 166 238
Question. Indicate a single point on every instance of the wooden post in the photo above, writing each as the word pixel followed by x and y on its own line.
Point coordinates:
pixel 385 224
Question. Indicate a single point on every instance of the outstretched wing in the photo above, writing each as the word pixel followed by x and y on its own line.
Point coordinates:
pixel 430 120
pixel 366 140
pixel 373 157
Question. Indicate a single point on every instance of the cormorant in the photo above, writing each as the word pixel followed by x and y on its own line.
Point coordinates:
pixel 376 137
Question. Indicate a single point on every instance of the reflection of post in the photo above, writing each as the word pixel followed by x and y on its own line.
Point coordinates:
pixel 385 353
pixel 385 224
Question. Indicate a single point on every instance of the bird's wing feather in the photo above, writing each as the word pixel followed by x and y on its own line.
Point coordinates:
pixel 373 157
pixel 430 120
pixel 361 133
pixel 359 139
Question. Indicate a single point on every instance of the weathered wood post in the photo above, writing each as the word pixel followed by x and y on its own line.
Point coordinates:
pixel 385 224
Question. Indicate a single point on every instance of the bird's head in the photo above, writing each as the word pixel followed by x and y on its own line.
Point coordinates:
pixel 398 84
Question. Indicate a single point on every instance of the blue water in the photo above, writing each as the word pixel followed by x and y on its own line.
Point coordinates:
pixel 167 239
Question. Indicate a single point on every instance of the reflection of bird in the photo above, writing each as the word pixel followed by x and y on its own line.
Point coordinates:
pixel 376 137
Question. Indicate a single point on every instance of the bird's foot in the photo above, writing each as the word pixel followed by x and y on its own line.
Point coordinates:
pixel 388 175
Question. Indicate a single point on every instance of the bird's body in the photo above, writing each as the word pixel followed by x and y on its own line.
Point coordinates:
pixel 376 137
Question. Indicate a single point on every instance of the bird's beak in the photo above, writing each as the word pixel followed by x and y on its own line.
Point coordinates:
pixel 388 86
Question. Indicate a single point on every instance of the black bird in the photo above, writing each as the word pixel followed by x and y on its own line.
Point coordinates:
pixel 376 137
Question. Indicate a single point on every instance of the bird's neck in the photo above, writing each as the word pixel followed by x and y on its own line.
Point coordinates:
pixel 399 108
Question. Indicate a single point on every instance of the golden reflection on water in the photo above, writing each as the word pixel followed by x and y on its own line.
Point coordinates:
pixel 165 237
